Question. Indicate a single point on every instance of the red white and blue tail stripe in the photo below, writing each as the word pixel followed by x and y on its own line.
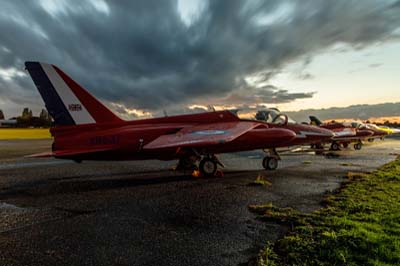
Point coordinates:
pixel 66 101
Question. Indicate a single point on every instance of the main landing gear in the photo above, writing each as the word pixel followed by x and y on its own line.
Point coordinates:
pixel 208 166
pixel 187 163
pixel 335 146
pixel 200 164
pixel 358 146
pixel 271 162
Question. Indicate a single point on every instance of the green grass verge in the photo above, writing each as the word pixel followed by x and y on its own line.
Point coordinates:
pixel 24 133
pixel 360 225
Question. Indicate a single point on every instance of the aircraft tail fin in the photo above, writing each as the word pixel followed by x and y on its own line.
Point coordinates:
pixel 66 101
pixel 315 121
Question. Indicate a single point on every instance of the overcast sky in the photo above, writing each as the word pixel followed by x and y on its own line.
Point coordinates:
pixel 143 57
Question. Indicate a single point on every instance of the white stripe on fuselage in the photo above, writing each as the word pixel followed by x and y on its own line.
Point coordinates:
pixel 344 133
pixel 76 109
pixel 304 134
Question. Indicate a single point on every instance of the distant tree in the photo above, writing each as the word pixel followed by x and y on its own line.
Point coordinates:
pixel 26 113
pixel 44 115
pixel 26 118
pixel 45 118
pixel 1 115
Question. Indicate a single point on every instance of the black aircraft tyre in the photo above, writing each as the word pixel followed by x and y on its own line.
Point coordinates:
pixel 335 146
pixel 208 167
pixel 270 163
pixel 357 146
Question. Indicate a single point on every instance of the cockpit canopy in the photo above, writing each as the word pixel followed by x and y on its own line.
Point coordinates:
pixel 271 115
pixel 354 124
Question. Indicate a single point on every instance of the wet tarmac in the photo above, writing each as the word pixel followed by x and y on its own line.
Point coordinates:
pixel 56 212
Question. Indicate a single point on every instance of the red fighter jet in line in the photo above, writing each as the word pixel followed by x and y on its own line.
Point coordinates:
pixel 84 129
pixel 346 133
pixel 305 134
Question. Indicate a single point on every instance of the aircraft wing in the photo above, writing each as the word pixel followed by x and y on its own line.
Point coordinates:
pixel 202 135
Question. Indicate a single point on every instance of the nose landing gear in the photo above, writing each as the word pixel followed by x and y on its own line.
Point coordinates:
pixel 270 162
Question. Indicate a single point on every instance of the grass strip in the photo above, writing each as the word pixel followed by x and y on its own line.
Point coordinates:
pixel 360 225
pixel 24 133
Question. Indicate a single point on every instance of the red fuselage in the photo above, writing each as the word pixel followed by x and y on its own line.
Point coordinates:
pixel 125 140
pixel 307 134
pixel 347 133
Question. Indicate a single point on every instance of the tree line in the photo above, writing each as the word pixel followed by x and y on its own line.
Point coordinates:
pixel 27 119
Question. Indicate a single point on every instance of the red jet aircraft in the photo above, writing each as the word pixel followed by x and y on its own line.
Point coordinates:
pixel 347 133
pixel 84 129
pixel 87 130
pixel 305 134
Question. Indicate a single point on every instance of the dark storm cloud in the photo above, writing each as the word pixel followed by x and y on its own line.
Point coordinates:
pixel 265 94
pixel 142 55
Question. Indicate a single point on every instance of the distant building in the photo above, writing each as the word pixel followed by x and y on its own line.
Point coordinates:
pixel 8 123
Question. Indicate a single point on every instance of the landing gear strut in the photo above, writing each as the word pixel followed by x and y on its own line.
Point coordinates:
pixel 271 162
pixel 187 163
